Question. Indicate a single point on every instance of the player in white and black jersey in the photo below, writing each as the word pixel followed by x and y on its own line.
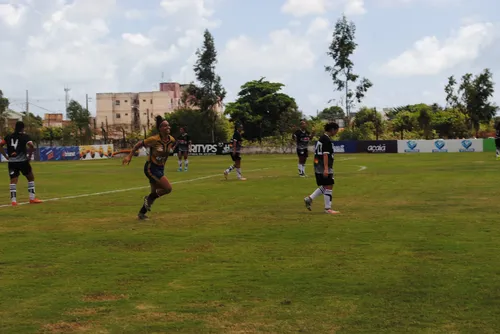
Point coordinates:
pixel 20 150
pixel 236 143
pixel 183 145
pixel 302 138
pixel 323 168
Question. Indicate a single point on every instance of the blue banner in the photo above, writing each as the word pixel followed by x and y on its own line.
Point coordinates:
pixel 59 153
pixel 344 146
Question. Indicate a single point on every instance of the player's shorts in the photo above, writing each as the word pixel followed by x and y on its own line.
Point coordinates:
pixel 497 142
pixel 236 156
pixel 321 180
pixel 302 152
pixel 17 168
pixel 182 151
pixel 153 172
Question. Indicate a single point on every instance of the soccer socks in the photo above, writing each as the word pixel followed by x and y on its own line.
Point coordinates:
pixel 498 152
pixel 327 195
pixel 13 193
pixel 31 190
pixel 317 192
pixel 180 163
pixel 238 171
pixel 186 163
pixel 302 169
pixel 230 169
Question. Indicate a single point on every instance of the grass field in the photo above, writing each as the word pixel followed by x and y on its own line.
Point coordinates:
pixel 415 250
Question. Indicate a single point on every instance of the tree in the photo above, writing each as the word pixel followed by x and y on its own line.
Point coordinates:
pixel 262 108
pixel 332 113
pixel 80 117
pixel 472 97
pixel 210 93
pixel 4 109
pixel 370 120
pixel 341 49
pixel 51 133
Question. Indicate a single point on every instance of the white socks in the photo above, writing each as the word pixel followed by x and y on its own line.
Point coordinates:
pixel 180 163
pixel 317 192
pixel 327 195
pixel 302 169
pixel 31 190
pixel 13 193
pixel 238 171
pixel 186 163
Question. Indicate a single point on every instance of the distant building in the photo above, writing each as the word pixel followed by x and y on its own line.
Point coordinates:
pixel 54 120
pixel 12 118
pixel 129 111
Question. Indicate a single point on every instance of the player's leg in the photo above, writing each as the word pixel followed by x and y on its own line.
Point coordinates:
pixel 237 165
pixel 14 178
pixel 328 194
pixel 28 173
pixel 302 164
pixel 186 161
pixel 317 192
pixel 230 168
pixel 179 161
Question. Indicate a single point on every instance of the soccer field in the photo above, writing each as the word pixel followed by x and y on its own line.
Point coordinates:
pixel 415 248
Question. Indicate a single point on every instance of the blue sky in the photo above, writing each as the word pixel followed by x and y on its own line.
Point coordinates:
pixel 407 48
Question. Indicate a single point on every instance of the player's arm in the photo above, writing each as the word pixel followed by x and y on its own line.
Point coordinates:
pixel 31 149
pixel 2 151
pixel 141 143
pixel 189 143
pixel 326 153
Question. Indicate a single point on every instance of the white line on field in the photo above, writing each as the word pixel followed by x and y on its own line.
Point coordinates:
pixel 125 190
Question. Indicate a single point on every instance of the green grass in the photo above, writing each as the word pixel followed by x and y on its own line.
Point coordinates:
pixel 416 249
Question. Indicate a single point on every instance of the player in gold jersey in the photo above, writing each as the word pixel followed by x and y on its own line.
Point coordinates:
pixel 159 147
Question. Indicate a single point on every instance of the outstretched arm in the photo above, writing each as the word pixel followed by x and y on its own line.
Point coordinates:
pixel 136 147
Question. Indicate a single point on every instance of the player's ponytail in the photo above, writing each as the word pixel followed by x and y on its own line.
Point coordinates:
pixel 159 120
pixel 19 127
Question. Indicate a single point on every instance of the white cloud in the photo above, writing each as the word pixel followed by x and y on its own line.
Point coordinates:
pixel 11 14
pixel 134 14
pixel 319 24
pixel 301 8
pixel 430 56
pixel 284 52
pixel 137 39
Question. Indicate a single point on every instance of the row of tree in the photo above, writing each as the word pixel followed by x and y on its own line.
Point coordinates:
pixel 266 112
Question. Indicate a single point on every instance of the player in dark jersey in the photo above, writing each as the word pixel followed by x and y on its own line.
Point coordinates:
pixel 183 145
pixel 236 142
pixel 497 139
pixel 302 138
pixel 323 168
pixel 159 150
pixel 19 153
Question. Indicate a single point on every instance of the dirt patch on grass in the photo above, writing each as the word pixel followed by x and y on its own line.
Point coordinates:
pixel 144 307
pixel 103 297
pixel 68 327
pixel 83 311
pixel 200 248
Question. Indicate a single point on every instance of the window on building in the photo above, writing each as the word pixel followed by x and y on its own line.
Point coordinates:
pixel 117 102
pixel 126 101
pixel 118 116
pixel 126 114
pixel 151 101
pixel 144 100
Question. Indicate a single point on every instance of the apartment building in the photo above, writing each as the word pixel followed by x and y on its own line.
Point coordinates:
pixel 130 111
pixel 54 120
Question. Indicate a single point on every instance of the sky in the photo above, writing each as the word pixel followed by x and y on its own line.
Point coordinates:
pixel 407 48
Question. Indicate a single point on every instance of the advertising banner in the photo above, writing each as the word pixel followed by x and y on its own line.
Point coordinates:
pixel 344 146
pixel 377 146
pixel 60 153
pixel 2 159
pixel 210 149
pixel 440 146
pixel 489 145
pixel 95 152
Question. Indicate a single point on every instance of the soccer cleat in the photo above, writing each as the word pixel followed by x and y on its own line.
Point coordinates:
pixel 35 201
pixel 179 169
pixel 308 203
pixel 242 179
pixel 142 216
pixel 14 203
pixel 331 212
pixel 185 169
pixel 146 203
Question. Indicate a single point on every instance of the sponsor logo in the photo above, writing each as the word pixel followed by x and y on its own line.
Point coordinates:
pixel 376 148
pixel 339 148
pixel 466 144
pixel 440 144
pixel 412 147
pixel 68 154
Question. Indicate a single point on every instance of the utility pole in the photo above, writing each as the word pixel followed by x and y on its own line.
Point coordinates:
pixel 66 91
pixel 27 110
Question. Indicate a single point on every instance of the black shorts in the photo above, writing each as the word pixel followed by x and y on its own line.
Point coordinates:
pixel 235 156
pixel 302 153
pixel 153 172
pixel 182 151
pixel 497 142
pixel 324 181
pixel 16 168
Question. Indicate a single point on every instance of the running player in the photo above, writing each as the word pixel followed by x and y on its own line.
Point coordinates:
pixel 302 138
pixel 236 153
pixel 497 139
pixel 183 145
pixel 19 153
pixel 323 168
pixel 159 149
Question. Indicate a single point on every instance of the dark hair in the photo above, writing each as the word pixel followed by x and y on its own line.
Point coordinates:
pixel 19 127
pixel 331 126
pixel 237 125
pixel 159 120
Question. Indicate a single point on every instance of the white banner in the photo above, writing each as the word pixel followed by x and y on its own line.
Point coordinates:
pixel 440 146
